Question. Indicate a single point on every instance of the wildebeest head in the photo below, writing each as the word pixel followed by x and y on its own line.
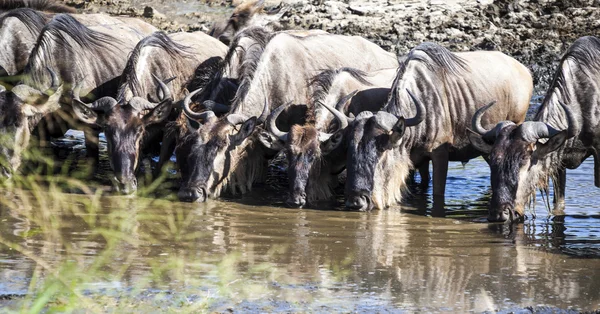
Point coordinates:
pixel 124 125
pixel 376 168
pixel 516 158
pixel 210 150
pixel 20 111
pixel 310 172
pixel 248 13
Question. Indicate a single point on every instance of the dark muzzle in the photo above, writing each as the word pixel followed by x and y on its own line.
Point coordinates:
pixel 360 201
pixel 124 185
pixel 192 194
pixel 503 213
pixel 297 199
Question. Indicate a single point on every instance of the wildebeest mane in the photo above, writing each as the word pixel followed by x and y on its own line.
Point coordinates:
pixel 33 20
pixel 159 40
pixel 585 52
pixel 249 57
pixel 260 35
pixel 204 73
pixel 58 33
pixel 40 5
pixel 322 82
pixel 438 59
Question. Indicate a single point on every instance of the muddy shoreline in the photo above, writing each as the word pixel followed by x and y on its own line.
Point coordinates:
pixel 536 32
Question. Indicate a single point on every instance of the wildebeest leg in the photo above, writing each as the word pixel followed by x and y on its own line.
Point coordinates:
pixel 560 183
pixel 43 135
pixel 439 160
pixel 166 151
pixel 596 168
pixel 424 173
pixel 92 148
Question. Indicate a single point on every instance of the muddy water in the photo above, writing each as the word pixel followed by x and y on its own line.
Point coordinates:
pixel 228 255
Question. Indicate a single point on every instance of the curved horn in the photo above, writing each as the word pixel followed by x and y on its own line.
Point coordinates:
pixel 104 104
pixel 342 118
pixel 572 123
pixel 341 104
pixel 215 106
pixel 421 111
pixel 141 104
pixel 476 120
pixel 186 106
pixel 162 90
pixel 207 115
pixel 264 114
pixel 53 79
pixel 272 125
pixel 2 88
pixel 236 118
pixel 532 131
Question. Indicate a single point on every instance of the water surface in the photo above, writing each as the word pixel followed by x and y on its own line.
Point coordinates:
pixel 227 255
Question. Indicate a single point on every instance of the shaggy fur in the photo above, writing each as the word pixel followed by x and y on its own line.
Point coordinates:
pixel 63 31
pixel 39 5
pixel 130 80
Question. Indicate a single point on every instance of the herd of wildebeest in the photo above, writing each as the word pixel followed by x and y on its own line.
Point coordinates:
pixel 331 103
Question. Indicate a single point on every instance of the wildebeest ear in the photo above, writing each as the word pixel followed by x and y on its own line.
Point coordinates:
pixel 159 113
pixel 397 132
pixel 247 128
pixel 479 143
pixel 333 142
pixel 83 112
pixel 551 145
pixel 270 141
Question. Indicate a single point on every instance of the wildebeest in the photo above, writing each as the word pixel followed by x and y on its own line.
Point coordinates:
pixel 214 154
pixel 312 150
pixel 135 120
pixel 20 28
pixel 440 91
pixel 93 57
pixel 240 61
pixel 248 13
pixel 565 131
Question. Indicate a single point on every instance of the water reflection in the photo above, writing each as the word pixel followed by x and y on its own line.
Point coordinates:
pixel 259 258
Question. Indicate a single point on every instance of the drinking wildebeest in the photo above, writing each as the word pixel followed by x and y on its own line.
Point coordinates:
pixel 312 150
pixel 214 154
pixel 440 91
pixel 564 132
pixel 135 120
pixel 248 13
pixel 93 57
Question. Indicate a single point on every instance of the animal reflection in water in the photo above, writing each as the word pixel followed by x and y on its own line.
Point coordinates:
pixel 408 260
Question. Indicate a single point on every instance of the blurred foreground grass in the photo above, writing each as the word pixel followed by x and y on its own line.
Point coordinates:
pixel 87 252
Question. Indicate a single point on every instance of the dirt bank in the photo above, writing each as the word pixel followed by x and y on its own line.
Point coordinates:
pixel 536 32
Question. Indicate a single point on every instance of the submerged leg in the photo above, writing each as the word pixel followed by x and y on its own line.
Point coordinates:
pixel 440 173
pixel 596 170
pixel 424 173
pixel 560 183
